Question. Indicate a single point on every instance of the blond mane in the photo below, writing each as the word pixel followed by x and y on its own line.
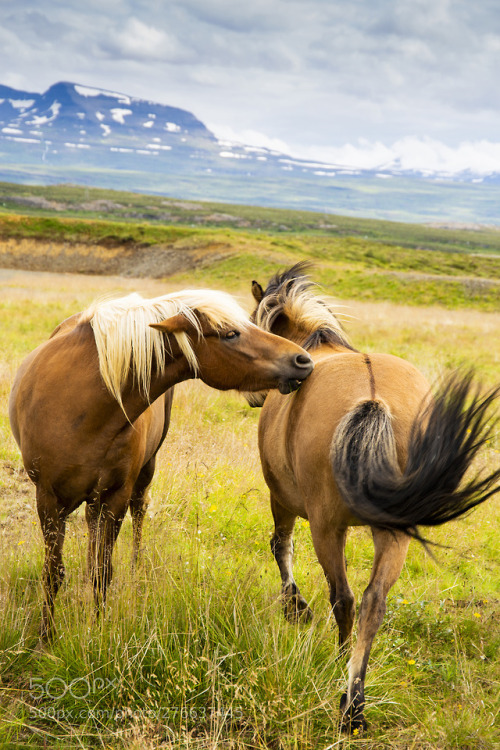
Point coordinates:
pixel 126 343
pixel 290 294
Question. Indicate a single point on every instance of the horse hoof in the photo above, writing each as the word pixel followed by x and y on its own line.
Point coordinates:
pixel 297 610
pixel 352 720
pixel 354 726
pixel 41 645
pixel 46 635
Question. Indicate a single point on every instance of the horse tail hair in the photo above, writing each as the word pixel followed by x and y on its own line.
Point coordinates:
pixel 444 440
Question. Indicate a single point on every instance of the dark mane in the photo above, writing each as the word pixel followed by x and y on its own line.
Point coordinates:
pixel 290 293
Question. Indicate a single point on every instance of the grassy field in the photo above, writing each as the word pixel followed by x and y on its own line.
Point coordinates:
pixel 193 651
pixel 399 263
pixel 157 211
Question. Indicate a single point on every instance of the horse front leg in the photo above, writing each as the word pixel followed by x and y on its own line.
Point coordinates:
pixel 390 554
pixel 104 519
pixel 295 606
pixel 53 524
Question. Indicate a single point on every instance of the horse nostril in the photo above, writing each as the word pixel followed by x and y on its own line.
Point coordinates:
pixel 302 360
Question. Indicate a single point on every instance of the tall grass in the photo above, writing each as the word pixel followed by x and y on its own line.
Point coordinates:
pixel 192 651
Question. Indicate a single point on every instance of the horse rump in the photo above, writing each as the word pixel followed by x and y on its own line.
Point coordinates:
pixel 444 440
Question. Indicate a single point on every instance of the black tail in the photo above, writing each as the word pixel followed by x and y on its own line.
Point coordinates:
pixel 444 440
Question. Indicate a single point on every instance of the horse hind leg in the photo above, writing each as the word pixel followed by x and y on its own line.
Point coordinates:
pixel 139 506
pixel 390 554
pixel 53 524
pixel 295 606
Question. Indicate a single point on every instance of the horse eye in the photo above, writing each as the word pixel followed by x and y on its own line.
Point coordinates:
pixel 232 335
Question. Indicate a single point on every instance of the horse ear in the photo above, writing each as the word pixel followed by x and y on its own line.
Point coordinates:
pixel 175 324
pixel 257 291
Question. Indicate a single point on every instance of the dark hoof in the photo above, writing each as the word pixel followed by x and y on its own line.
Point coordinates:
pixel 352 719
pixel 296 609
pixel 41 646
pixel 46 633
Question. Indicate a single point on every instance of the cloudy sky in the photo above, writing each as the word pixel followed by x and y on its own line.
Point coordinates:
pixel 358 82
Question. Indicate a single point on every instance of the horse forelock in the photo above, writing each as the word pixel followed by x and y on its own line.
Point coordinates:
pixel 126 342
pixel 291 294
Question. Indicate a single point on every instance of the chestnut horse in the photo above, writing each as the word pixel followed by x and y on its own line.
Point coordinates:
pixel 90 408
pixel 361 443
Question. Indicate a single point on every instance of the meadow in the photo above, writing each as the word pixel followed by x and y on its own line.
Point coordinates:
pixel 193 651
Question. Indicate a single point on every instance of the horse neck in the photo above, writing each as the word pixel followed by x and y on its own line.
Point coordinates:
pixel 175 371
pixel 80 341
pixel 315 345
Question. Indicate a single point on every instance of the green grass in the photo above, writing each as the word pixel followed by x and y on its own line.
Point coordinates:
pixel 354 258
pixel 194 647
pixel 87 231
pixel 357 279
pixel 93 203
pixel 193 651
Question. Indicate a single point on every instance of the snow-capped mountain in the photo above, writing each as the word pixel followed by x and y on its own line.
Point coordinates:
pixel 69 117
pixel 75 133
pixel 79 133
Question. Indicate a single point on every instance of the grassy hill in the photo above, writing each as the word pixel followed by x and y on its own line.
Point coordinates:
pixel 66 228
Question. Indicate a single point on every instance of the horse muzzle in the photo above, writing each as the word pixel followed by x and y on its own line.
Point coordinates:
pixel 288 386
pixel 302 366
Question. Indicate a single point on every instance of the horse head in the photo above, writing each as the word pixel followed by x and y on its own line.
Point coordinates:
pixel 238 354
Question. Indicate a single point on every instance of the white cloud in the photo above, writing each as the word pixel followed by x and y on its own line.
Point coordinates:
pixel 248 138
pixel 140 41
pixel 423 155
pixel 412 154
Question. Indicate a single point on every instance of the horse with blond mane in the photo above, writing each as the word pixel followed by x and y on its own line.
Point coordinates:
pixel 362 442
pixel 90 408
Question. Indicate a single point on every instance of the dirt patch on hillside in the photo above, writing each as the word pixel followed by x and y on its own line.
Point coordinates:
pixel 156 261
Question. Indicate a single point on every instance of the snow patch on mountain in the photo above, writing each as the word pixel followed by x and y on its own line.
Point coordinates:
pixel 119 115
pixel 21 103
pixel 87 91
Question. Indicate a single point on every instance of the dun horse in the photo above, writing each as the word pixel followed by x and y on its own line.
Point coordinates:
pixel 91 406
pixel 361 443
